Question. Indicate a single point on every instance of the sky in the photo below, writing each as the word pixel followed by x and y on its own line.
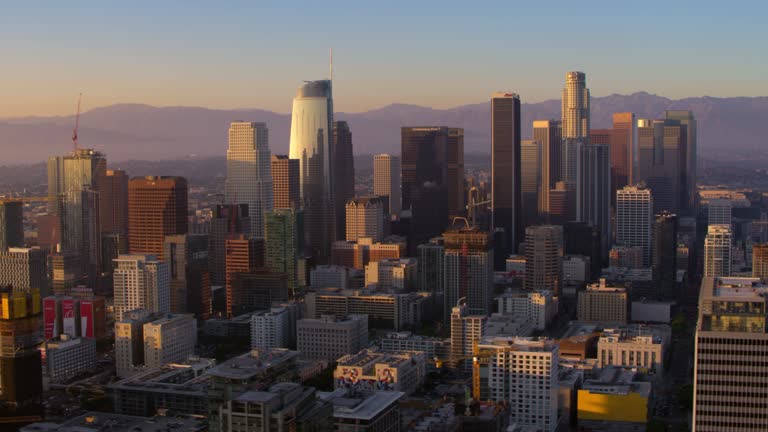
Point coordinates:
pixel 255 54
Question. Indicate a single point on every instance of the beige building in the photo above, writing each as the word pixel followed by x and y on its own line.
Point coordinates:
pixel 386 181
pixel 129 341
pixel 329 338
pixel 168 340
pixel 372 371
pixel 392 274
pixel 539 307
pixel 717 251
pixel 601 303
pixel 365 218
pixel 544 258
pixel 466 332
pixel 760 261
pixel 634 346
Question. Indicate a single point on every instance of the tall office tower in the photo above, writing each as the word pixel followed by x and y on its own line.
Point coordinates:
pixel 661 156
pixel 634 216
pixel 664 255
pixel 544 258
pixel 686 119
pixel 228 221
pixel 731 347
pixel 68 176
pixel 285 182
pixel 469 269
pixel 593 194
pixel 129 341
pixel 242 255
pixel 141 282
pixel 575 106
pixel 467 329
pixel 343 173
pixel 717 251
pixel 113 202
pixel 157 207
pixel 582 238
pixel 249 177
pixel 619 142
pixel 719 212
pixel 626 121
pixel 24 269
pixel 386 181
pixel 506 176
pixel 430 266
pixel 190 279
pixel 760 261
pixel 66 272
pixel 11 224
pixel 170 339
pixel 365 218
pixel 20 364
pixel 534 193
pixel 562 207
pixel 549 134
pixel 283 244
pixel 425 181
pixel 455 159
pixel 311 141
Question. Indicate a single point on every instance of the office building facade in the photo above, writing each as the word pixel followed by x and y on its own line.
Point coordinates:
pixel 634 216
pixel 506 175
pixel 157 207
pixel 386 182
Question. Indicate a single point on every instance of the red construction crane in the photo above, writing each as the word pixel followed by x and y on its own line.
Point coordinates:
pixel 77 122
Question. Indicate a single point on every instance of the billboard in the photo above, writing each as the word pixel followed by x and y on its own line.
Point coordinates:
pixel 50 326
pixel 68 316
pixel 86 318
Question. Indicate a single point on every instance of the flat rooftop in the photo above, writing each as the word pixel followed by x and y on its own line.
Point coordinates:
pixel 100 421
pixel 253 363
pixel 360 408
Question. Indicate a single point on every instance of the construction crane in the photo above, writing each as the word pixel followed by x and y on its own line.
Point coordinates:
pixel 77 123
pixel 473 204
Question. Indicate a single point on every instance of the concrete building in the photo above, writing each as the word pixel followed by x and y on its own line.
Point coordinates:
pixel 549 134
pixel 398 275
pixel 190 277
pixel 626 256
pixel 433 348
pixel 469 269
pixel 614 401
pixel 539 307
pixel 141 282
pixel 66 358
pixel 534 193
pixel 258 290
pixel 386 181
pixel 430 266
pixel 157 208
pixel 168 340
pixel 24 269
pixel 760 261
pixel 227 221
pixel 730 351
pixel 285 183
pixel 129 341
pixel 272 328
pixel 329 276
pixel 634 217
pixel 329 338
pixel 103 421
pixel 369 371
pixel 576 269
pixel 543 258
pixel 717 251
pixel 377 411
pixel 635 346
pixel 466 332
pixel 365 218
pixel 384 310
pixel 603 303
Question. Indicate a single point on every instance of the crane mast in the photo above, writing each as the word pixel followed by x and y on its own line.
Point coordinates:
pixel 77 123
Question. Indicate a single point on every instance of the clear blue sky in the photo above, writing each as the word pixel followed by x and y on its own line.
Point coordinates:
pixel 234 54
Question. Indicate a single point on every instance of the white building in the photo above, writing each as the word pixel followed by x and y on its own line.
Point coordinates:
pixel 65 358
pixel 271 329
pixel 329 338
pixel 634 346
pixel 329 276
pixel 140 282
pixel 168 340
pixel 249 171
pixel 539 307
pixel 717 251
pixel 386 181
pixel 576 269
pixel 634 217
pixel 396 274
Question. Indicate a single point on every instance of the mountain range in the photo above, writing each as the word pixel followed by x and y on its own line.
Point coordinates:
pixel 729 128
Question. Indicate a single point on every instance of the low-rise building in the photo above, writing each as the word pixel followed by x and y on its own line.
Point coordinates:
pixel 104 421
pixel 330 337
pixel 169 339
pixel 508 325
pixel 384 310
pixel 372 371
pixel 235 327
pixel 539 307
pixel 66 358
pixel 636 346
pixel 355 412
pixel 626 256
pixel 615 401
pixel 433 348
pixel 271 329
pixel 392 274
pixel 603 303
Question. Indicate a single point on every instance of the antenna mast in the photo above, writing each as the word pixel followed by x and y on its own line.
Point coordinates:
pixel 77 123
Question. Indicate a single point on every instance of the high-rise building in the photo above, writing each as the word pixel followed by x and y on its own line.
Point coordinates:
pixel 686 119
pixel 575 106
pixel 170 339
pixel 271 329
pixel 285 182
pixel 343 173
pixel 532 187
pixel 430 266
pixel 506 175
pixel 113 203
pixel 603 303
pixel 562 206
pixel 311 141
pixel 65 271
pixel 717 251
pixel 141 282
pixel 388 275
pixel 67 357
pixel 466 331
pixel 129 341
pixel 23 269
pixel 720 212
pixel 365 218
pixel 661 158
pixel 544 258
pixel 249 178
pixel 582 238
pixel 760 261
pixel 243 255
pixel 593 192
pixel 20 361
pixel 11 224
pixel 157 207
pixel 619 143
pixel 190 279
pixel 549 134
pixel 634 207
pixel 626 121
pixel 386 181
pixel 664 255
pixel 257 290
pixel 468 269
pixel 731 347
pixel 284 243
pixel 228 221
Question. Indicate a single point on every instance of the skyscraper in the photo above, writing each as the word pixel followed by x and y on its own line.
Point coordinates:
pixel 760 261
pixel 505 173
pixel 141 282
pixel 686 118
pixel 11 224
pixel 157 207
pixel 717 251
pixel 190 279
pixel 430 265
pixel 549 134
pixel 575 106
pixel 249 178
pixel 543 258
pixel 626 121
pixel 386 181
pixel 243 255
pixel 634 216
pixel 664 256
pixel 455 159
pixel 283 243
pixel 534 193
pixel 311 141
pixel 365 218
pixel 661 154
pixel 469 269
pixel 593 194
pixel 113 202
pixel 618 140
pixel 343 173
pixel 229 220
pixel 285 182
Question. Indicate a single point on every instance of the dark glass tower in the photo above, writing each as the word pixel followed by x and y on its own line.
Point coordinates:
pixel 343 173
pixel 664 255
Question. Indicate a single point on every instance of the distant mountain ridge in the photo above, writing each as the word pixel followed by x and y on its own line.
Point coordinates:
pixel 728 127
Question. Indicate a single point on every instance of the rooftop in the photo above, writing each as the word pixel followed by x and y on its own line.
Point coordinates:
pixel 253 363
pixel 100 421
pixel 615 380
pixel 349 406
